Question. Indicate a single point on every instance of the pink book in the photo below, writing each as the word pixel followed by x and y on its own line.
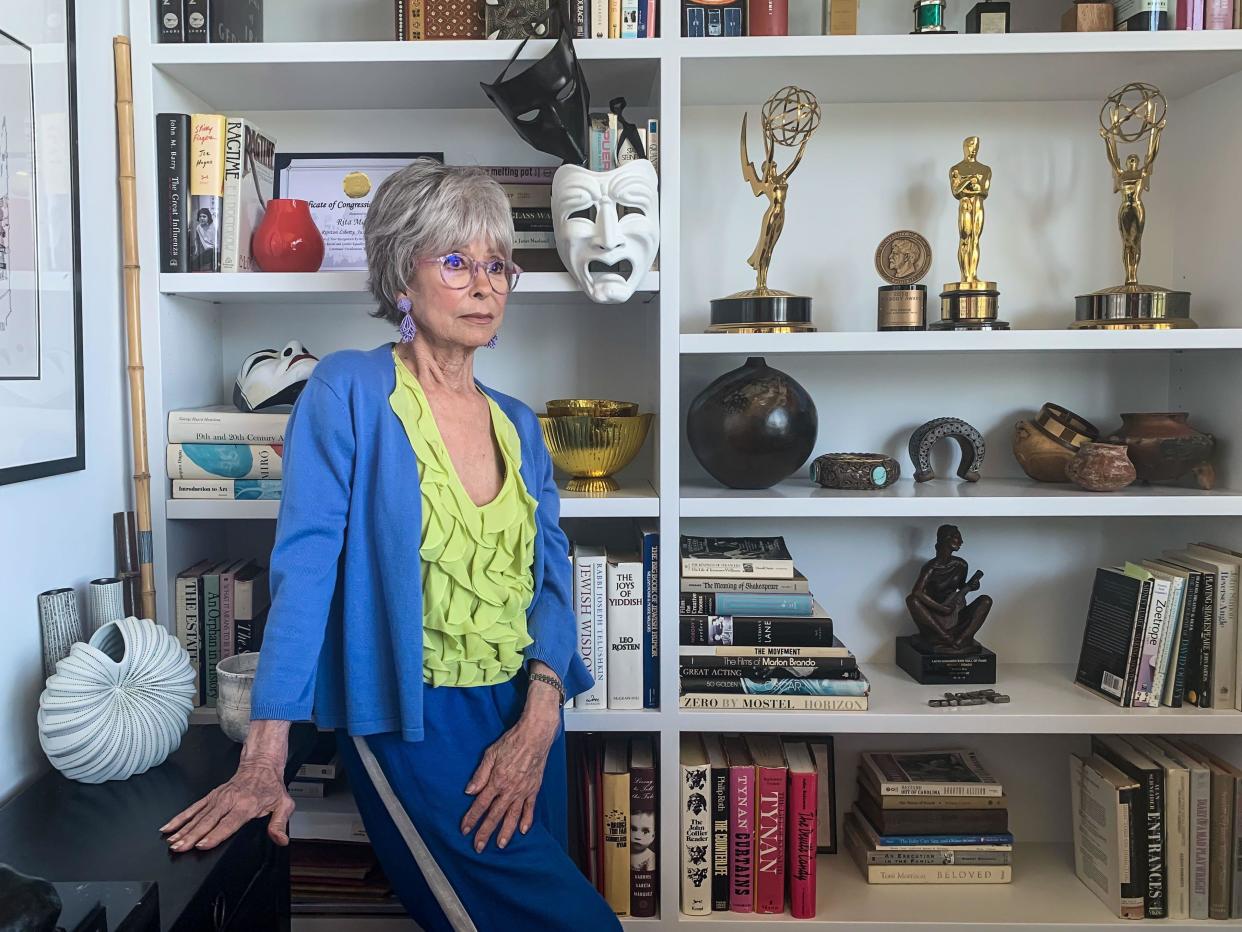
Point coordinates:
pixel 1190 14
pixel 802 841
pixel 651 19
pixel 1218 14
pixel 741 826
pixel 228 625
pixel 771 775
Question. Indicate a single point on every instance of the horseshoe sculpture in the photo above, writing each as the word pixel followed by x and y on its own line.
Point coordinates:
pixel 969 440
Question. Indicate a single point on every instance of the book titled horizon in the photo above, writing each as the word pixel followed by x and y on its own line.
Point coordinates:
pixel 727 702
pixel 225 461
pixel 758 630
pixel 955 772
pixel 239 490
pixel 225 424
pixel 736 556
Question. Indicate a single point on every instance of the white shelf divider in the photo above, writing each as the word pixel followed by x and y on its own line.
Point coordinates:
pixel 987 498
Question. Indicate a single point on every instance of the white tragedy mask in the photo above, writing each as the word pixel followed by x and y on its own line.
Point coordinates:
pixel 607 227
pixel 268 377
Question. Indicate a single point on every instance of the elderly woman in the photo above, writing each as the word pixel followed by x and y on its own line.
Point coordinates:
pixel 421 591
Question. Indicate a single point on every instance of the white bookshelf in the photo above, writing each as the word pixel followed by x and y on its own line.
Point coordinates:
pixel 896 108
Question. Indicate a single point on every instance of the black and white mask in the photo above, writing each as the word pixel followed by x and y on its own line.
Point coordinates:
pixel 271 377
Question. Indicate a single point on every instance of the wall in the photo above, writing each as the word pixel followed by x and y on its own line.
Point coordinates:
pixel 58 531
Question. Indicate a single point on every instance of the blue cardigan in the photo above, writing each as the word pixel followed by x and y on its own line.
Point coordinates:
pixel 343 643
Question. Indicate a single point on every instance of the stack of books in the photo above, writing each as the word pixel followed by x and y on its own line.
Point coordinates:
pixel 613 819
pixel 617 606
pixel 1164 632
pixel 336 872
pixel 218 452
pixel 1155 828
pixel 321 772
pixel 929 817
pixel 753 636
pixel 755 811
pixel 221 610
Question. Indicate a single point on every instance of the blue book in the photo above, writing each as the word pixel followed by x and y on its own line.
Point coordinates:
pixel 650 549
pixel 745 603
pixel 900 841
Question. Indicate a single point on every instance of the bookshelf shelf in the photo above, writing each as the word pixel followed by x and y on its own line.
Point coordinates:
pixel 1045 701
pixel 987 498
pixel 575 719
pixel 337 288
pixel 1009 341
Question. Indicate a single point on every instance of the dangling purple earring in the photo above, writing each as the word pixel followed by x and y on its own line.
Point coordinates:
pixel 404 305
pixel 491 344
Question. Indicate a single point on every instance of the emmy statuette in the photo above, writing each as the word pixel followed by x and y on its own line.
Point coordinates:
pixel 789 118
pixel 969 304
pixel 1133 114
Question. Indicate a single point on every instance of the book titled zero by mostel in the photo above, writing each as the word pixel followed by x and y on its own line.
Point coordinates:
pixel 771 774
pixel 172 138
pixel 625 631
pixel 590 589
pixel 1149 816
pixel 696 830
pixel 741 826
pixel 802 806
pixel 720 821
pixel 643 831
pixel 927 773
pixel 736 556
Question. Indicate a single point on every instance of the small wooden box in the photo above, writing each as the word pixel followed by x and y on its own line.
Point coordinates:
pixel 1088 17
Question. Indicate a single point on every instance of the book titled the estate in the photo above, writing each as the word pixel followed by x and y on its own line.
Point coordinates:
pixel 736 556
pixel 643 832
pixel 720 821
pixel 189 614
pixel 1149 816
pixel 927 773
pixel 741 825
pixel 172 137
pixel 813 630
pixel 1109 634
pixel 696 828
pixel 802 808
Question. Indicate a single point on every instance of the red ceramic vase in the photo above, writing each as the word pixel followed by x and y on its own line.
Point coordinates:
pixel 287 239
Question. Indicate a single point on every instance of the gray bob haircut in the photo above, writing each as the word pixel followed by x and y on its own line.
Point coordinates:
pixel 428 209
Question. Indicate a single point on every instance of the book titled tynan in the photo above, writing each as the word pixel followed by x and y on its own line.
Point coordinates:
pixel 736 556
pixel 927 773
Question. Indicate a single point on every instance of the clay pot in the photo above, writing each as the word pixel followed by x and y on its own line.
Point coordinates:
pixel 752 427
pixel 1041 457
pixel 1163 447
pixel 1101 467
pixel 287 240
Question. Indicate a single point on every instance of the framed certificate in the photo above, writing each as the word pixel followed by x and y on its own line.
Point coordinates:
pixel 339 188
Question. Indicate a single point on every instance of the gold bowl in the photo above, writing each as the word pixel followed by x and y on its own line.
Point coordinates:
pixel 597 407
pixel 592 448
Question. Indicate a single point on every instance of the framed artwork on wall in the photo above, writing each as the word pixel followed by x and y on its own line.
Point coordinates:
pixel 42 432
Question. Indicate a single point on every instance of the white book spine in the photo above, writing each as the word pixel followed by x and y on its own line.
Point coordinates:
pixel 625 634
pixel 202 426
pixel 599 20
pixel 1162 598
pixel 234 156
pixel 1200 828
pixel 1236 851
pixel 629 19
pixel 1174 637
pixel 1225 643
pixel 589 594
pixel 653 144
pixel 696 840
pixel 724 566
pixel 1177 842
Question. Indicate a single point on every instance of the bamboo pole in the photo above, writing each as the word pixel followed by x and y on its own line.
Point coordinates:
pixel 133 315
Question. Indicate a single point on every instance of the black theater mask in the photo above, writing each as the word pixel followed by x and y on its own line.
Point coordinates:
pixel 547 103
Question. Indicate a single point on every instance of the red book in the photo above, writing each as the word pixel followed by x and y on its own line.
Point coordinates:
pixel 768 17
pixel 741 826
pixel 1218 14
pixel 1190 14
pixel 771 775
pixel 802 842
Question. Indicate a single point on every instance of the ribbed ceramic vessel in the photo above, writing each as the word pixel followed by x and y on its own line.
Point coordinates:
pixel 592 449
pixel 118 704
pixel 599 407
pixel 236 678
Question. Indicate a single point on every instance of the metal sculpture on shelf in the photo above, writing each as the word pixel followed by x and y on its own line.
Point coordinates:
pixel 969 440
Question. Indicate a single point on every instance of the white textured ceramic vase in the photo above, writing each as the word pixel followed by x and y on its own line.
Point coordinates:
pixel 118 704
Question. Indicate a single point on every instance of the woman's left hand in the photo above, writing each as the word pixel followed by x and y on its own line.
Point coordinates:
pixel 507 781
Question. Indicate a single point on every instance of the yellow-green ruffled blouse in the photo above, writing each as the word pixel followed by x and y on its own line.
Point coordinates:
pixel 476 561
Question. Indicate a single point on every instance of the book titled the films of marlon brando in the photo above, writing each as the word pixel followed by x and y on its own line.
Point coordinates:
pixel 736 557
pixel 954 772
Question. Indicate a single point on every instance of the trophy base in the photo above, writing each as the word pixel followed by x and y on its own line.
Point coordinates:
pixel 933 669
pixel 936 31
pixel 592 485
pixel 902 307
pixel 1133 307
pixel 969 306
pixel 761 311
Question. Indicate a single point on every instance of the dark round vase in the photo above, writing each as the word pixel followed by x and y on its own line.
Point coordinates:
pixel 752 427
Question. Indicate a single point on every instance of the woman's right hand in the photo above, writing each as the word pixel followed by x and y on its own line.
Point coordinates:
pixel 258 788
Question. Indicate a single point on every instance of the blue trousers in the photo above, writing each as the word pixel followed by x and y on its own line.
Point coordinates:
pixel 530 884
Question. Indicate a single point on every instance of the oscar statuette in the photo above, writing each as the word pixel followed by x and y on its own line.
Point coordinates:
pixel 789 118
pixel 1133 114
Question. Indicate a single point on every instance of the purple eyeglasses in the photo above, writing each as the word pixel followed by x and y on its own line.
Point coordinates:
pixel 458 271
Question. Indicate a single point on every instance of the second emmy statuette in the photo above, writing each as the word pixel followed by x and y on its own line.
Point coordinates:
pixel 790 117
pixel 969 304
pixel 1133 114
pixel 902 258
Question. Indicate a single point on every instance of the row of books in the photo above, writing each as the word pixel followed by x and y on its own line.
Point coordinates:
pixel 929 817
pixel 1206 14
pixel 417 20
pixel 616 603
pixel 1155 828
pixel 218 452
pixel 614 819
pixel 755 812
pixel 752 636
pixel 209 20
pixel 221 608
pixel 215 175
pixel 608 148
pixel 1165 631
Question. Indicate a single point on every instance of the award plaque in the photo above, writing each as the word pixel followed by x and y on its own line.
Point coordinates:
pixel 969 304
pixel 789 118
pixel 1133 114
pixel 902 258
